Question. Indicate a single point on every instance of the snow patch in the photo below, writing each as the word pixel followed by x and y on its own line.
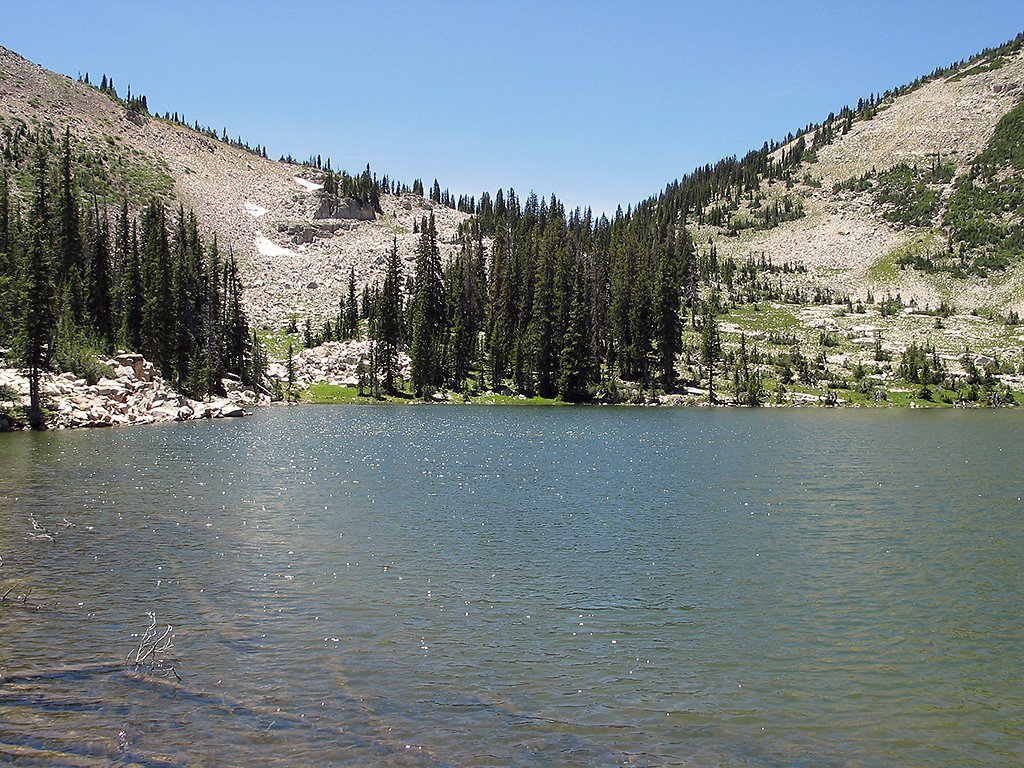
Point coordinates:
pixel 269 248
pixel 255 210
pixel 309 186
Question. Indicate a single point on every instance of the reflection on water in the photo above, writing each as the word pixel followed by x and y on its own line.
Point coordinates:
pixel 472 586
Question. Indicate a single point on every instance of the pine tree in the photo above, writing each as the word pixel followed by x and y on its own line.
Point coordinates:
pixel 575 367
pixel 132 297
pixel 710 342
pixel 158 307
pixel 291 394
pixel 100 305
pixel 351 307
pixel 428 313
pixel 541 341
pixel 666 317
pixel 39 295
pixel 72 260
pixel 9 282
pixel 389 320
pixel 462 338
pixel 235 324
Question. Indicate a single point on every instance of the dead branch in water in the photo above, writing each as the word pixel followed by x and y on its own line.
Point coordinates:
pixel 152 647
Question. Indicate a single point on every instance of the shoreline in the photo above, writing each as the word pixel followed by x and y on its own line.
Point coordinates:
pixel 132 394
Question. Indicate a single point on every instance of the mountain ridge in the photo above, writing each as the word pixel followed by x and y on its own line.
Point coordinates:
pixel 875 234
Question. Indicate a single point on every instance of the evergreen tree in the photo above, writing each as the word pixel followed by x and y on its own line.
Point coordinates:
pixel 291 394
pixel 575 367
pixel 462 339
pixel 158 307
pixel 389 320
pixel 428 313
pixel 72 261
pixel 132 298
pixel 541 338
pixel 666 317
pixel 100 305
pixel 710 342
pixel 351 307
pixel 9 278
pixel 235 325
pixel 39 295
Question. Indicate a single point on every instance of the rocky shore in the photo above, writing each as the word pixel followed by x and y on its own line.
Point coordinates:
pixel 335 362
pixel 134 394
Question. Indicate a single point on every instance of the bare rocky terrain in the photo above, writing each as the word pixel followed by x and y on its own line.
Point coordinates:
pixel 133 393
pixel 294 264
pixel 843 237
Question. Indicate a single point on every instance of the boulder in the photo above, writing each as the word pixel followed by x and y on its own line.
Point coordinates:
pixel 332 207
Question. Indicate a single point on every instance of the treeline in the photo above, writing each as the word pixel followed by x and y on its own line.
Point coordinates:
pixel 77 281
pixel 140 104
pixel 562 305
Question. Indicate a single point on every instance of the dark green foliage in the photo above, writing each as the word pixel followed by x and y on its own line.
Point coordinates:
pixel 747 384
pixel 70 295
pixel 985 212
pixel 575 364
pixel 388 319
pixel 908 195
pixel 38 310
pixel 428 313
pixel 922 365
pixel 351 308
pixel 710 343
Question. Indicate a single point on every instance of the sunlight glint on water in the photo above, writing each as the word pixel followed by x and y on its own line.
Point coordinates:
pixel 472 586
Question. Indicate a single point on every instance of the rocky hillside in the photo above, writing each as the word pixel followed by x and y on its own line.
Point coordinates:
pixel 860 229
pixel 294 244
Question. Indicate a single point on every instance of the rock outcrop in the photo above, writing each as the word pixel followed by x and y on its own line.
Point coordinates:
pixel 134 394
pixel 335 362
pixel 334 207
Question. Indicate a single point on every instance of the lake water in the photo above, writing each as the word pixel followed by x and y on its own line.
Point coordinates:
pixel 469 586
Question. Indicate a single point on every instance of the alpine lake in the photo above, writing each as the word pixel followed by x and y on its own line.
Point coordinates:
pixel 487 586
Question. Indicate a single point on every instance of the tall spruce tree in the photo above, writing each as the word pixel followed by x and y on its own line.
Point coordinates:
pixel 666 315
pixel 73 268
pixel 428 313
pixel 710 342
pixel 158 308
pixel 351 307
pixel 39 294
pixel 101 311
pixel 10 285
pixel 132 296
pixel 575 365
pixel 389 319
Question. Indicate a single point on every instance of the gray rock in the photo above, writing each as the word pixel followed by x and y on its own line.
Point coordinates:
pixel 332 207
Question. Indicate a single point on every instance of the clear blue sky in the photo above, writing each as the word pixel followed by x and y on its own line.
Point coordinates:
pixel 599 102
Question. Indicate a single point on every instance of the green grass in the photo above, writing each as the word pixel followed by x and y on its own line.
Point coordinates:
pixel 989 66
pixel 333 394
pixel 916 253
pixel 330 394
pixel 276 343
pixel 513 400
pixel 768 317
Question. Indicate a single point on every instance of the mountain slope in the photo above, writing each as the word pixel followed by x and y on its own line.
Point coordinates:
pixel 849 238
pixel 257 207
